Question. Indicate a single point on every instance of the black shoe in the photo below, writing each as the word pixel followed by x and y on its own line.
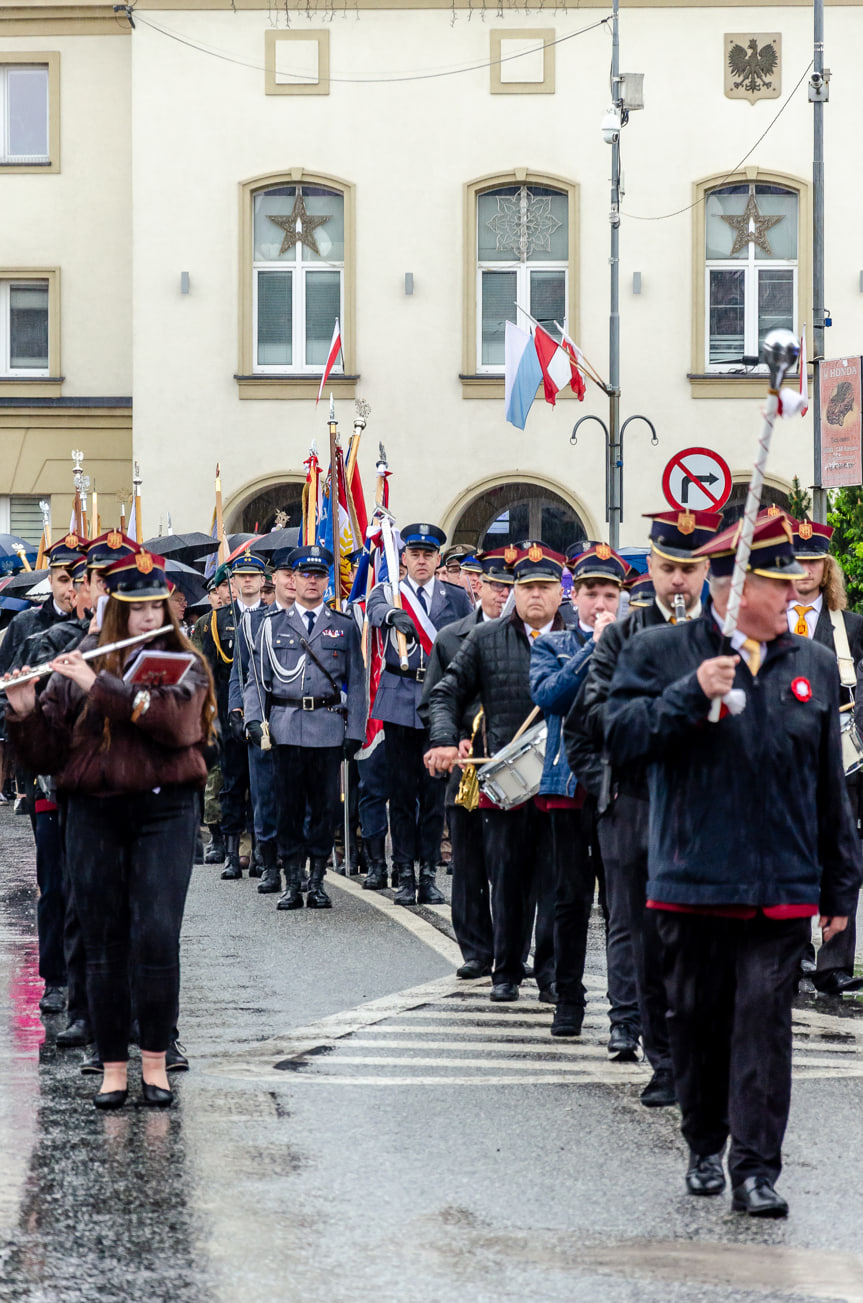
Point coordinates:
pixel 215 852
pixel 92 1065
pixel 293 896
pixel 548 994
pixel 568 1020
pixel 155 1096
pixel 757 1197
pixel 473 969
pixel 835 982
pixel 503 992
pixel 256 862
pixel 175 1058
pixel 54 999
pixel 623 1043
pixel 428 892
pixel 376 878
pixel 808 967
pixel 659 1091
pixel 271 882
pixel 232 870
pixel 107 1099
pixel 317 898
pixel 704 1175
pixel 77 1033
pixel 407 892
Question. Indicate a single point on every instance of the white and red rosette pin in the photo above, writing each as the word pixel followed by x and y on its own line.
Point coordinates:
pixel 802 689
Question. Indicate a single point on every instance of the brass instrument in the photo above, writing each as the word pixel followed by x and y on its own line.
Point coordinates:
pixel 467 795
pixel 42 671
pixel 679 603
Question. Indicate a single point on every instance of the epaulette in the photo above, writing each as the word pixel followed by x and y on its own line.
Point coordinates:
pixel 343 615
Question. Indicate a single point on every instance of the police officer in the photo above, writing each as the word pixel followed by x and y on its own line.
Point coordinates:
pixel 416 798
pixel 310 670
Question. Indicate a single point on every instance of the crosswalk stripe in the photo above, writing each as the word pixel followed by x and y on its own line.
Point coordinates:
pixel 566 1048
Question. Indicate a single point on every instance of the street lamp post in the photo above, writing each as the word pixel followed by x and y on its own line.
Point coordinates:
pixel 614 463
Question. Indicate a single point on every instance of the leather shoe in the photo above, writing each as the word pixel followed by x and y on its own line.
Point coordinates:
pixel 503 992
pixel 77 1033
pixel 568 1020
pixel 473 969
pixel 53 1000
pixel 659 1091
pixel 107 1099
pixel 757 1197
pixel 156 1096
pixel 623 1043
pixel 807 967
pixel 175 1058
pixel 92 1066
pixel 835 982
pixel 704 1175
pixel 548 994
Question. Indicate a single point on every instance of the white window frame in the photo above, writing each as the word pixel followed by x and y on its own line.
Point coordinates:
pixel 6 369
pixel 23 160
pixel 751 267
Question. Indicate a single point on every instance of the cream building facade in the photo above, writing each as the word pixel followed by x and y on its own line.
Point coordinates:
pixel 443 162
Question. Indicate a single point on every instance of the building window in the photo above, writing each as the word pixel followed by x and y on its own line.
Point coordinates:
pixel 298 277
pixel 30 112
pixel 751 270
pixel 24 328
pixel 522 249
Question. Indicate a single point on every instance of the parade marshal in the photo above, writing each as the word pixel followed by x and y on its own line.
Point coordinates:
pixel 751 835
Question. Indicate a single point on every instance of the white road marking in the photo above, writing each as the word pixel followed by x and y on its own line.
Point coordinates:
pixel 405 917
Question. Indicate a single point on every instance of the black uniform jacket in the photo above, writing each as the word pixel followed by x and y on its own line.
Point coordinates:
pixel 446 647
pixel 492 665
pixel 584 726
pixel 751 810
pixel 853 627
pixel 39 620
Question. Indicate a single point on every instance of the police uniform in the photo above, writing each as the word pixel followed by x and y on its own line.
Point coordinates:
pixel 416 799
pixel 312 681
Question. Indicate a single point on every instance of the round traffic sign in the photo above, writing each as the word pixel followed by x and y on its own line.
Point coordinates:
pixel 697 479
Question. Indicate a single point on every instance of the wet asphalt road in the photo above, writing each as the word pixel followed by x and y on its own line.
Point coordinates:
pixel 342 1136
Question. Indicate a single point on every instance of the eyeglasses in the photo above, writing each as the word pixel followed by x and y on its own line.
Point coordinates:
pixel 496 587
pixel 310 574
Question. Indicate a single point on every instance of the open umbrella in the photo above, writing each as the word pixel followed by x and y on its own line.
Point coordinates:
pixel 238 543
pixel 190 582
pixel 276 539
pixel 10 546
pixel 18 585
pixel 187 548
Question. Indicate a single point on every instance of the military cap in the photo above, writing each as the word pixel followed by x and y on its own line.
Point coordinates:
pixel 536 564
pixel 472 564
pixel 282 558
pixel 454 557
pixel 423 536
pixel 107 548
pixel 811 540
pixel 600 561
pixel 78 569
pixel 675 535
pixel 641 590
pixel 574 551
pixel 137 578
pixel 66 552
pixel 772 552
pixel 221 575
pixel 311 557
pixel 493 565
pixel 246 564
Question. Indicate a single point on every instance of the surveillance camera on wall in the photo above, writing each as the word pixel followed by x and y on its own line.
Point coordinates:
pixel 610 127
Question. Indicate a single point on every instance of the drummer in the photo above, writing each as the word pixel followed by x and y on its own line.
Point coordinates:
pixel 493 665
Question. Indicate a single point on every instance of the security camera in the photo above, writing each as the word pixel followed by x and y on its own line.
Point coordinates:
pixel 816 79
pixel 610 127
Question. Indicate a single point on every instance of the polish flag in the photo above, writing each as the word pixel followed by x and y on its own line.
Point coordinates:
pixel 335 349
pixel 559 366
pixel 576 356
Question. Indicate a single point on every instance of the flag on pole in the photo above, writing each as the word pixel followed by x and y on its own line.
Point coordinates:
pixel 558 367
pixel 522 375
pixel 212 560
pixel 576 356
pixel 335 349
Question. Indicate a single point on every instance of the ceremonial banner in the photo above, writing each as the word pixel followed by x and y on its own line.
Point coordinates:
pixel 840 402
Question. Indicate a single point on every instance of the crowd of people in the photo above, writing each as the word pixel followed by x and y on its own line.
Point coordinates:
pixel 559 735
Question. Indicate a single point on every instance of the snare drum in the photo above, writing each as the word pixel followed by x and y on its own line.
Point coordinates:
pixel 852 744
pixel 514 774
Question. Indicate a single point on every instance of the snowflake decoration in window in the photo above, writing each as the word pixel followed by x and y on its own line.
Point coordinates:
pixel 523 224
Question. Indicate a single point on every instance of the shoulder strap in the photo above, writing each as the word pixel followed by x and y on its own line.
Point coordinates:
pixel 847 672
pixel 307 649
pixel 214 630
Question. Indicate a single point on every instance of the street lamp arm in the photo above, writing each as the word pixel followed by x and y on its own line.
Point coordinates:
pixel 573 438
pixel 654 437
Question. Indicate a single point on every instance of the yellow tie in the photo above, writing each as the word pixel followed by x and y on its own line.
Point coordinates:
pixel 801 625
pixel 534 634
pixel 753 655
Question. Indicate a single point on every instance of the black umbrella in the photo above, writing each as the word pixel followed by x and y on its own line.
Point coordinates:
pixel 19 584
pixel 190 582
pixel 275 540
pixel 188 548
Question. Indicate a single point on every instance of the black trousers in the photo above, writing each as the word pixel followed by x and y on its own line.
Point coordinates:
pixel 130 860
pixel 51 909
pixel 234 796
pixel 730 986
pixel 73 940
pixel 416 799
pixel 308 793
pixel 471 906
pixel 623 838
pixel 574 879
pixel 517 848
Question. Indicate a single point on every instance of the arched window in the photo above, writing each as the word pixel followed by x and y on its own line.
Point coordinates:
pixel 516 510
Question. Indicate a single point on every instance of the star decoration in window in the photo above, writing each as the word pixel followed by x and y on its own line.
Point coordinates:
pixel 523 224
pixel 751 218
pixel 299 227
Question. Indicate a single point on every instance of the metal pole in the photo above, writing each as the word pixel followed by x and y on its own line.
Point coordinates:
pixel 818 95
pixel 614 503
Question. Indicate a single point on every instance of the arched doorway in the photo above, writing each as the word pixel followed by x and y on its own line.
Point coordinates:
pixel 509 512
pixel 258 514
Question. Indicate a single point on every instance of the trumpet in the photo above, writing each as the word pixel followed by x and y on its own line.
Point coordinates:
pixel 42 671
pixel 679 604
pixel 467 795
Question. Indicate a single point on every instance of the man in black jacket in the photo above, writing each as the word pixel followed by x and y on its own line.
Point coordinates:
pixel 751 835
pixel 677 578
pixel 494 666
pixel 819 613
pixel 471 917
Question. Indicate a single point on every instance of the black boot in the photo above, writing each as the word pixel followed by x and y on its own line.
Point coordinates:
pixel 377 874
pixel 232 868
pixel 215 852
pixel 304 877
pixel 293 897
pixel 256 859
pixel 407 892
pixel 317 897
pixel 272 879
pixel 428 893
pixel 394 876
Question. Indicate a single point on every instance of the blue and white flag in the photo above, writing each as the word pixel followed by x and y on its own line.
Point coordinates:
pixel 523 374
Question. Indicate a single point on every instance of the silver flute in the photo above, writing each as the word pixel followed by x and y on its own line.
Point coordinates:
pixel 679 604
pixel 41 671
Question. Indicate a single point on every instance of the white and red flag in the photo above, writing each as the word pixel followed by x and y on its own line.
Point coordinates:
pixel 559 363
pixel 335 349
